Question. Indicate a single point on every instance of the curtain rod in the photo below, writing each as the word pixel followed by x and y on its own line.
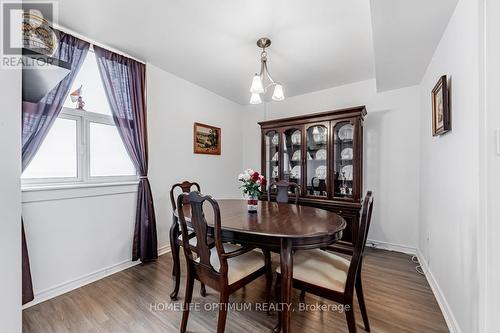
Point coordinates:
pixel 93 42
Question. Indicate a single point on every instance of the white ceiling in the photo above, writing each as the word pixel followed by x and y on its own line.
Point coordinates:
pixel 405 35
pixel 316 44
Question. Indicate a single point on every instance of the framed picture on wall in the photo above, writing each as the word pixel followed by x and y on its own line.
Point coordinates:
pixel 441 114
pixel 206 139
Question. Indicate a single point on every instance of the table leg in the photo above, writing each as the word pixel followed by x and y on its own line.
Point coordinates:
pixel 286 262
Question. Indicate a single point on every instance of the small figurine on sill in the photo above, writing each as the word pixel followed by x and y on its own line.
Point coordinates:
pixel 76 97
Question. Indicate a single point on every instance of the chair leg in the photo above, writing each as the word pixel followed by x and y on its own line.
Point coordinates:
pixel 361 301
pixel 187 301
pixel 269 278
pixel 174 248
pixel 223 305
pixel 203 290
pixel 351 321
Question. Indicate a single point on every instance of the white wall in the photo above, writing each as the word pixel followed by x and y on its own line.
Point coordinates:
pixel 492 290
pixel 75 236
pixel 449 171
pixel 391 149
pixel 173 106
pixel 10 200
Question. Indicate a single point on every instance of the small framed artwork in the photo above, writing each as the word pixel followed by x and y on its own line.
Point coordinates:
pixel 441 114
pixel 207 139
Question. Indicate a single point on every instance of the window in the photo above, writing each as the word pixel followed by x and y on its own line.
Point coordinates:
pixel 83 146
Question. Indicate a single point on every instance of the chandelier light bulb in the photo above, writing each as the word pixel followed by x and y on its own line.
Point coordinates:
pixel 257 87
pixel 255 99
pixel 278 93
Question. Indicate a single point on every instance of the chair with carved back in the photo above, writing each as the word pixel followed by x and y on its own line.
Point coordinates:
pixel 176 235
pixel 333 276
pixel 227 269
pixel 282 191
pixel 346 248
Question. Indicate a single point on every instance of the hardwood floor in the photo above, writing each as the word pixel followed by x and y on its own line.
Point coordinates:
pixel 136 300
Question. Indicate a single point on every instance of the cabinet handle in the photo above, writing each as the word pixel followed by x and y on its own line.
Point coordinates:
pixel 340 211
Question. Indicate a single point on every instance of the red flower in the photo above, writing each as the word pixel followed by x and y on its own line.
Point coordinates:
pixel 255 176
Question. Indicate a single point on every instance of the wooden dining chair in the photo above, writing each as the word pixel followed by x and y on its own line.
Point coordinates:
pixel 282 191
pixel 176 236
pixel 335 277
pixel 227 269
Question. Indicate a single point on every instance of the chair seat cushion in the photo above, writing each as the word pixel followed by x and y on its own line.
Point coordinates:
pixel 320 268
pixel 240 266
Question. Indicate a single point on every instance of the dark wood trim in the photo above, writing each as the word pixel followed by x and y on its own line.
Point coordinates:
pixel 319 116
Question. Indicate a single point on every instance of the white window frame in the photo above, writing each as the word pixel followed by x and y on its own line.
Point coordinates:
pixel 83 119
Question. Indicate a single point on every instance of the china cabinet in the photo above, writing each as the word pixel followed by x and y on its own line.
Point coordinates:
pixel 323 153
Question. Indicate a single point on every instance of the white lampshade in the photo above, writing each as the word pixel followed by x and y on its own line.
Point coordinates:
pixel 278 93
pixel 257 87
pixel 255 99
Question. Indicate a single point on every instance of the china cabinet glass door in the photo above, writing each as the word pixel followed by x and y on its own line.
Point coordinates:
pixel 344 153
pixel 292 159
pixel 317 160
pixel 272 155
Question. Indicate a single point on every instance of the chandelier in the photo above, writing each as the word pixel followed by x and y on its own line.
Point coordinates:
pixel 263 81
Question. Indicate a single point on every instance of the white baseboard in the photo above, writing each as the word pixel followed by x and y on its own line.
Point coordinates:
pixel 164 249
pixel 451 321
pixel 79 282
pixel 391 246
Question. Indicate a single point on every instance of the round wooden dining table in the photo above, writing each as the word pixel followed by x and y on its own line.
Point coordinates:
pixel 279 227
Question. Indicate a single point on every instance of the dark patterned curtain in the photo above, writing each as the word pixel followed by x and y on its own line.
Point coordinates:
pixel 124 80
pixel 38 119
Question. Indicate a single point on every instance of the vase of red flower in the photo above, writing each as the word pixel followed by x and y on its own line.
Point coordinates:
pixel 252 185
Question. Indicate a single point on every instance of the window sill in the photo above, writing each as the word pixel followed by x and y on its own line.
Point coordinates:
pixel 50 192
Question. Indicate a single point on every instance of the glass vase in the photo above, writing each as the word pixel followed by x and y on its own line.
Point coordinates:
pixel 252 202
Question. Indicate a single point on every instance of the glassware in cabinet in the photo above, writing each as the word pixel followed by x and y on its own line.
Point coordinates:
pixel 292 155
pixel 317 160
pixel 272 170
pixel 343 163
